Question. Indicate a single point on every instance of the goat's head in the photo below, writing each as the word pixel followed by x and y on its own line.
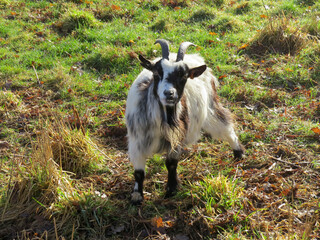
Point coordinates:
pixel 170 77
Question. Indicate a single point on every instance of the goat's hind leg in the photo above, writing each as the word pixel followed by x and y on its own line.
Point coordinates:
pixel 220 126
pixel 172 164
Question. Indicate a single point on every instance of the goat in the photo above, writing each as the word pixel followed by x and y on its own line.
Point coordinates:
pixel 171 101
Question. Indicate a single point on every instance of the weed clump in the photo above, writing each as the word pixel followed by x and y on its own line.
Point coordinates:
pixel 278 37
pixel 74 20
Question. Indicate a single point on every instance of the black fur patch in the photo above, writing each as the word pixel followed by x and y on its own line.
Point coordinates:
pixel 171 116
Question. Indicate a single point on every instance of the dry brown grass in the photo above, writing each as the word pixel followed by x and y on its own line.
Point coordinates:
pixel 73 150
pixel 34 188
pixel 41 185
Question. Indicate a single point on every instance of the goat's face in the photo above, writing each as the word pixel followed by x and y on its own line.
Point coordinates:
pixel 171 84
pixel 170 79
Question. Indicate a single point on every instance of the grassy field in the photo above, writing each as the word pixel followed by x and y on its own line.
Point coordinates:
pixel 65 70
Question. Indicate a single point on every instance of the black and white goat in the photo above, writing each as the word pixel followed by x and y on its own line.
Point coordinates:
pixel 172 100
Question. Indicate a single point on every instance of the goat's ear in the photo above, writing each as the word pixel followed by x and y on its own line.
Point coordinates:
pixel 197 71
pixel 146 63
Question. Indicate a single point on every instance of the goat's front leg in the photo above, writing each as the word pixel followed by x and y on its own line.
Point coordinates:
pixel 137 194
pixel 139 174
pixel 171 164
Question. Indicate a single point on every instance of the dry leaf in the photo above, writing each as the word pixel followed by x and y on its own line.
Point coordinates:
pixel 316 130
pixel 244 46
pixel 4 144
pixel 115 7
pixel 157 222
pixel 133 54
pixel 222 76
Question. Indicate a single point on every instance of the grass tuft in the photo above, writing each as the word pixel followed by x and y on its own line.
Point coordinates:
pixel 202 15
pixel 226 23
pixel 57 81
pixel 72 149
pixel 278 37
pixel 9 102
pixel 39 184
pixel 110 59
pixel 305 2
pixel 242 8
pixel 3 3
pixel 108 14
pixel 313 27
pixel 217 193
pixel 161 26
pixel 74 20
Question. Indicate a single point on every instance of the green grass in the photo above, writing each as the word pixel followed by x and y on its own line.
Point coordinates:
pixel 72 62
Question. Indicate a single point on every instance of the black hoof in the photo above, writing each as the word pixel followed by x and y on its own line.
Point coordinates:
pixel 136 199
pixel 170 193
pixel 238 154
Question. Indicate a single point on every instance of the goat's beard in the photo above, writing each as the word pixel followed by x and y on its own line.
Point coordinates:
pixel 171 128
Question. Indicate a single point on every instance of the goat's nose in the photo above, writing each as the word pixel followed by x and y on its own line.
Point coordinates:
pixel 169 93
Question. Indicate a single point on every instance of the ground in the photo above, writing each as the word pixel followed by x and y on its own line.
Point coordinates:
pixel 65 70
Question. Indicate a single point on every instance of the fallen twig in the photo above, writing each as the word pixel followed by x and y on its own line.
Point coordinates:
pixel 38 80
pixel 286 162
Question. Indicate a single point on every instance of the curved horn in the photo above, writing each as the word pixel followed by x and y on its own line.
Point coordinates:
pixel 165 48
pixel 182 50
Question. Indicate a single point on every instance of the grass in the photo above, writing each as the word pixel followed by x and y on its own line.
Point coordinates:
pixel 65 70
